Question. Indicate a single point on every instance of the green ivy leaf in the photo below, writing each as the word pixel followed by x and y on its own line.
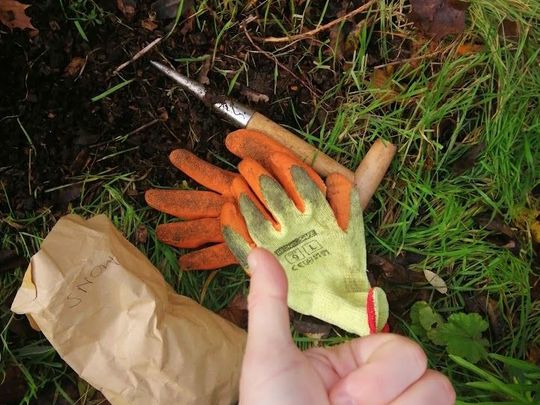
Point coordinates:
pixel 462 336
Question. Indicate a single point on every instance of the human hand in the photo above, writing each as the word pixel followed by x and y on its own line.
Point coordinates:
pixel 377 369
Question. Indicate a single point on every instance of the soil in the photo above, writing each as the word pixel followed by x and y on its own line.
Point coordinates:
pixel 69 136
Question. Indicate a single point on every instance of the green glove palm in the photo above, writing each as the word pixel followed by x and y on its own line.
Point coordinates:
pixel 319 243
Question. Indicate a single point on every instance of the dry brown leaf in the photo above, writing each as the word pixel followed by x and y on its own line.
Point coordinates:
pixel 163 115
pixel 203 74
pixel 468 160
pixel 393 271
pixel 74 67
pixel 509 29
pixel 141 234
pixel 12 15
pixel 149 24
pixel 381 82
pixel 533 354
pixel 500 234
pixel 438 18
pixel 127 7
pixel 469 49
pixel 311 327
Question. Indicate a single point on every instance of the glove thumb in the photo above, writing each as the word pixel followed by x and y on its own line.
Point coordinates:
pixel 268 323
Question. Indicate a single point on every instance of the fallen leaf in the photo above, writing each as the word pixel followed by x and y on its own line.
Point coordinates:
pixel 127 7
pixel 254 96
pixel 469 49
pixel 393 271
pixel 382 85
pixel 533 354
pixel 438 18
pixel 141 234
pixel 436 281
pixel 311 327
pixel 149 24
pixel 236 312
pixel 188 26
pixel 509 29
pixel 203 74
pixel 422 48
pixel 163 114
pixel 501 234
pixel 75 66
pixel 407 258
pixel 352 42
pixel 336 43
pixel 528 220
pixel 12 15
pixel 468 160
pixel 535 231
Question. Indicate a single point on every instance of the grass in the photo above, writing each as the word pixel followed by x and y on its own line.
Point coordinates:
pixel 437 105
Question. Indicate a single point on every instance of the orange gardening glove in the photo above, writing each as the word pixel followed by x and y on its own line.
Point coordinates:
pixel 201 209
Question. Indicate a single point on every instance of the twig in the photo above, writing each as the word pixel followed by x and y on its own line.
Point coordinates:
pixel 272 57
pixel 306 35
pixel 138 54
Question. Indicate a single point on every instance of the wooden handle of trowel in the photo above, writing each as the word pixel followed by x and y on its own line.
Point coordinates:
pixel 322 163
pixel 372 169
pixel 368 175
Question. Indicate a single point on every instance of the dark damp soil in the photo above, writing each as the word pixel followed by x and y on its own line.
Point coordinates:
pixel 52 133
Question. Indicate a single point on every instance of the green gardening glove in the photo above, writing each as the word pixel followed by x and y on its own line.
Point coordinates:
pixel 319 242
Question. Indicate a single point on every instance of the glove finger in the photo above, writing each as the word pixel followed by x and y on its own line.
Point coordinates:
pixel 190 234
pixel 210 258
pixel 260 230
pixel 345 202
pixel 281 165
pixel 235 233
pixel 308 191
pixel 204 173
pixel 240 187
pixel 246 143
pixel 339 196
pixel 267 189
pixel 187 204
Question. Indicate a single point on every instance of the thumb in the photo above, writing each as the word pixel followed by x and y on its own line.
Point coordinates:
pixel 268 321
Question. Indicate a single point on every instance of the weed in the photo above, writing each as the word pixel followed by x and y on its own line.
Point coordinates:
pixel 84 14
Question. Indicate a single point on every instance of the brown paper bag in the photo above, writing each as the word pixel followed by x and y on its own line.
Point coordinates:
pixel 112 317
